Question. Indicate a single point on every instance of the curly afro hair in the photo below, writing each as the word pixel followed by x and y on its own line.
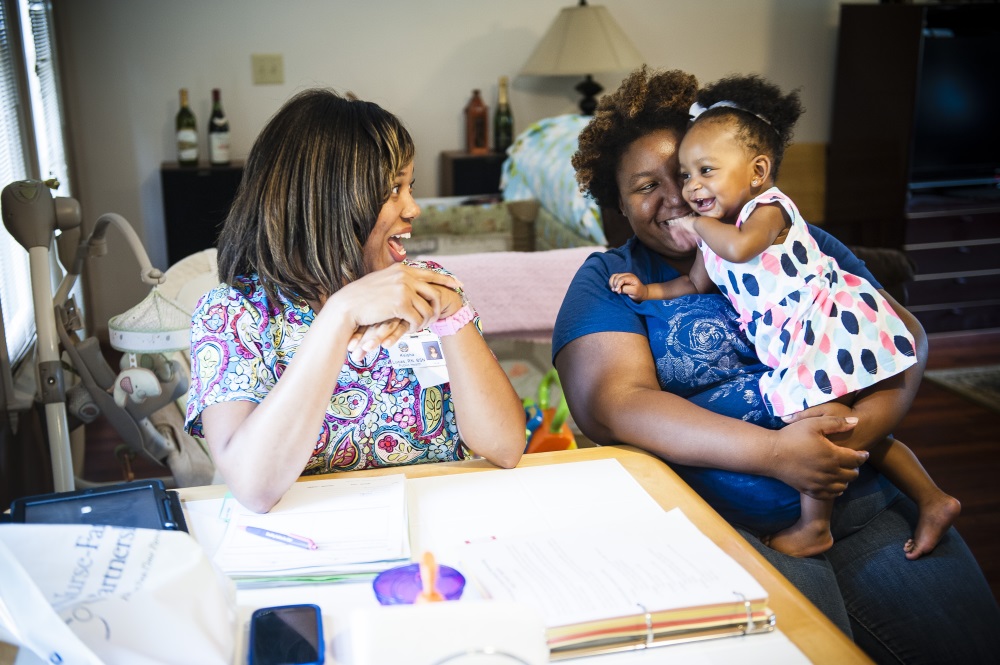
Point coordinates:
pixel 763 115
pixel 644 102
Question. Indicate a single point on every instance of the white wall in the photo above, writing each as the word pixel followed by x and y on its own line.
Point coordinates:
pixel 124 61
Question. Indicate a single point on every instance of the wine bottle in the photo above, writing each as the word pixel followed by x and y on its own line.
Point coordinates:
pixel 187 133
pixel 477 140
pixel 503 119
pixel 218 132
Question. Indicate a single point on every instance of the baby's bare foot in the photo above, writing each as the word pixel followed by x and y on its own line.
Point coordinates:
pixel 936 516
pixel 802 539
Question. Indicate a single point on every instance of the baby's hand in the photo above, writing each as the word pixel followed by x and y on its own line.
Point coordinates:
pixel 629 284
pixel 686 222
pixel 831 408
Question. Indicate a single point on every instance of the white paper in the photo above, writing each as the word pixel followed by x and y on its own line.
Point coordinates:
pixel 588 574
pixel 358 525
pixel 100 594
pixel 446 512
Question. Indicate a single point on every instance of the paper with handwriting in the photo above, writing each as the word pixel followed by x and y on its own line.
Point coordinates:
pixel 357 524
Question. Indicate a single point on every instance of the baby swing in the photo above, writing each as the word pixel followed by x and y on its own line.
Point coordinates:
pixel 148 380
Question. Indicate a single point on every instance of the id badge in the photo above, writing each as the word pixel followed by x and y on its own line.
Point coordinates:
pixel 421 352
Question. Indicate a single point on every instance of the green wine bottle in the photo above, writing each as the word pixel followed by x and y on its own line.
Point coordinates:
pixel 187 133
pixel 503 120
pixel 218 132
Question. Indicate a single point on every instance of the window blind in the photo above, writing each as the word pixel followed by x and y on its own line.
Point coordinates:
pixel 15 284
pixel 33 146
pixel 46 102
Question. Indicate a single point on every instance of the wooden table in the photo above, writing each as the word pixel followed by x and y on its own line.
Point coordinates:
pixel 798 619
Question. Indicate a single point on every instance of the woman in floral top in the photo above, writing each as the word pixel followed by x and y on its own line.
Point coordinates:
pixel 315 291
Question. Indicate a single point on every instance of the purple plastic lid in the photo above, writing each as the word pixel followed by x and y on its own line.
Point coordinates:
pixel 400 585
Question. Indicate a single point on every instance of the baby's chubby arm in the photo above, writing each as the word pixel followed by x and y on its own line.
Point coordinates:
pixel 759 231
pixel 632 286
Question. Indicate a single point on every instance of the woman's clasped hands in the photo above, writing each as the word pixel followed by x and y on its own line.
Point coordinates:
pixel 386 304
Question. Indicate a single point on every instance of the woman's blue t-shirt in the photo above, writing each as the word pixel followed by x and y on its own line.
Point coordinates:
pixel 700 354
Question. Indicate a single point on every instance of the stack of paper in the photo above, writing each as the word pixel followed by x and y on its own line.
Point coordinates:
pixel 356 525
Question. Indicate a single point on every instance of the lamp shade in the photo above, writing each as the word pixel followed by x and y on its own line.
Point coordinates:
pixel 583 40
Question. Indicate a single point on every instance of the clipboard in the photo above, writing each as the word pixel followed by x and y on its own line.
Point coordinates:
pixel 144 504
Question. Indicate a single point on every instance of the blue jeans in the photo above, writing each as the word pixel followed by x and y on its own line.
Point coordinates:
pixel 937 609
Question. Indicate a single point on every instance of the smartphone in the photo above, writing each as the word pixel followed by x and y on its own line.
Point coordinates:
pixel 286 635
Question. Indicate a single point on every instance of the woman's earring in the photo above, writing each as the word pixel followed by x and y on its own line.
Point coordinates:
pixel 755 182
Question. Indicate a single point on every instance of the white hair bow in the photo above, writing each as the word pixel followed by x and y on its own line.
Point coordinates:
pixel 697 109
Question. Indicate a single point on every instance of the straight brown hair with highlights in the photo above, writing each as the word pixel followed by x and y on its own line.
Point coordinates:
pixel 313 185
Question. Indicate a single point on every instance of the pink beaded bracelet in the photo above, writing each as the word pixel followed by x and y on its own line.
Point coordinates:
pixel 452 324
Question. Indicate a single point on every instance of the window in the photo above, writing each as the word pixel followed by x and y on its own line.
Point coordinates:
pixel 31 145
pixel 43 84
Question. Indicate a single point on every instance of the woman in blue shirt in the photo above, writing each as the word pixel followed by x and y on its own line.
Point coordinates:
pixel 678 379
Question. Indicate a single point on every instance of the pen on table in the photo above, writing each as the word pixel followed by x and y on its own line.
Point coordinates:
pixel 288 539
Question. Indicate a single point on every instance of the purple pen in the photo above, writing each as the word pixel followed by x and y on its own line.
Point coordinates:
pixel 288 539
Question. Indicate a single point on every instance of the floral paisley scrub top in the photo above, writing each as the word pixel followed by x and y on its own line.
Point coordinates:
pixel 379 415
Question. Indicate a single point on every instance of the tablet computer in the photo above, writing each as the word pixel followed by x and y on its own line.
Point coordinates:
pixel 142 503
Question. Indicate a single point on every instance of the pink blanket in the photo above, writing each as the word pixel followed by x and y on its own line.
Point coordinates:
pixel 517 294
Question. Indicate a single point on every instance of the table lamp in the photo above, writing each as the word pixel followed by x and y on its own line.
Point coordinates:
pixel 582 41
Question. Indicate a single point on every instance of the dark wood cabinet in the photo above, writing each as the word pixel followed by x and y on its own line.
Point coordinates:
pixel 463 174
pixel 196 201
pixel 955 246
pixel 950 233
pixel 875 87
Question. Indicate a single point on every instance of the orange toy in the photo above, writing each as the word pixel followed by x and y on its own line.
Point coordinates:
pixel 428 580
pixel 553 433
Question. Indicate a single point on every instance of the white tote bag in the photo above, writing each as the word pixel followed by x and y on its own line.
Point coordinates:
pixel 109 595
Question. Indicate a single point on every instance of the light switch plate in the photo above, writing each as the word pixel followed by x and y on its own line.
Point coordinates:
pixel 268 68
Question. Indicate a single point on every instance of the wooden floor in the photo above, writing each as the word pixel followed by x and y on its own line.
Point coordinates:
pixel 957 440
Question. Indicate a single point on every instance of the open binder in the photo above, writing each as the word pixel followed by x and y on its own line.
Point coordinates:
pixel 625 587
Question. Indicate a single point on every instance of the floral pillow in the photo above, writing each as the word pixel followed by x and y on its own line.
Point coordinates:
pixel 538 167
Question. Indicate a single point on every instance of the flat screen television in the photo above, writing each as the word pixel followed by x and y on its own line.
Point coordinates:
pixel 956 136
